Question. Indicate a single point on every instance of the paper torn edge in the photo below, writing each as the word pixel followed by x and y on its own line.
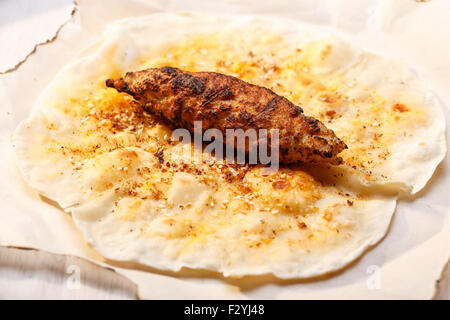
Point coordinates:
pixel 43 43
pixel 443 283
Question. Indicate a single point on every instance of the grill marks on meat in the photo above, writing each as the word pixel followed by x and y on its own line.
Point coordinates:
pixel 225 102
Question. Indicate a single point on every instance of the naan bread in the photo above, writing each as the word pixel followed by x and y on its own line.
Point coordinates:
pixel 139 196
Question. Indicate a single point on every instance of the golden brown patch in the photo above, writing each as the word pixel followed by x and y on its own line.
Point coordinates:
pixel 399 107
pixel 326 52
pixel 328 98
pixel 129 154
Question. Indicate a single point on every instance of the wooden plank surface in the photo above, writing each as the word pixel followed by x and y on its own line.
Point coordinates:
pixel 32 274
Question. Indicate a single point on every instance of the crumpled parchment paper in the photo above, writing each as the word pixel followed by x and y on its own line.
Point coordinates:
pixel 405 265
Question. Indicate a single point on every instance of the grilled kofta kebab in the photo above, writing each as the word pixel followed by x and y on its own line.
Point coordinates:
pixel 225 102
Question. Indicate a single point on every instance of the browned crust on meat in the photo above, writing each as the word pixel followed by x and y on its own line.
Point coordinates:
pixel 225 102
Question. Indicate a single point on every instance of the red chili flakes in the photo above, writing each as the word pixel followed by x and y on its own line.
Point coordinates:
pixel 160 155
pixel 280 184
pixel 399 107
pixel 350 203
pixel 301 225
pixel 330 113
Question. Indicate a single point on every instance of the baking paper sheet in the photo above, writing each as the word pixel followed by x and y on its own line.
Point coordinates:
pixel 406 264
